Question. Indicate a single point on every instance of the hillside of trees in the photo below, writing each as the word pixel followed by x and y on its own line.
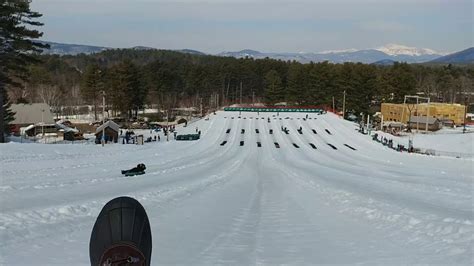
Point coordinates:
pixel 132 79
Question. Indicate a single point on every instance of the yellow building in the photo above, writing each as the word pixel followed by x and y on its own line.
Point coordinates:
pixel 442 111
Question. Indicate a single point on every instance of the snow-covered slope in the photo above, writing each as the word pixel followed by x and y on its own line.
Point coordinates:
pixel 244 205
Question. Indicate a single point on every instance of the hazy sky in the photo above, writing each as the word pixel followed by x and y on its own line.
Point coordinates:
pixel 267 25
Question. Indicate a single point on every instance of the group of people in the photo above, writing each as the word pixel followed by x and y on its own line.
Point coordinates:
pixel 284 129
pixel 168 129
pixel 129 137
pixel 389 143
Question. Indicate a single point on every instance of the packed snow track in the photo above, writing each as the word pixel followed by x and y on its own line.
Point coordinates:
pixel 248 192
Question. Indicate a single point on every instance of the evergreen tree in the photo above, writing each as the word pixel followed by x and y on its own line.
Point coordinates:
pixel 402 81
pixel 17 48
pixel 8 115
pixel 274 87
pixel 321 83
pixel 296 83
pixel 92 86
pixel 127 90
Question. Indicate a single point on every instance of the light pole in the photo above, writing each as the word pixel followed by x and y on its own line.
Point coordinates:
pixel 465 114
pixel 344 105
pixel 42 122
pixel 103 118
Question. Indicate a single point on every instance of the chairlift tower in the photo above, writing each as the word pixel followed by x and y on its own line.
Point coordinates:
pixel 413 101
pixel 410 102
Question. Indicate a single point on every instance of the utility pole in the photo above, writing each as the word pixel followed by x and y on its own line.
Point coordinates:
pixel 465 114
pixel 344 105
pixel 103 118
pixel 333 105
pixel 240 92
pixel 200 104
pixel 368 124
pixel 42 122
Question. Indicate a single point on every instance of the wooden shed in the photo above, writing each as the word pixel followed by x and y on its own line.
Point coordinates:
pixel 419 122
pixel 111 132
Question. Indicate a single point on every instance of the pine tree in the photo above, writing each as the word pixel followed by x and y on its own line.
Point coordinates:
pixel 92 85
pixel 402 81
pixel 127 90
pixel 8 115
pixel 274 87
pixel 296 83
pixel 17 49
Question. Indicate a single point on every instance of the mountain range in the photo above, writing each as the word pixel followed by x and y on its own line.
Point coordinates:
pixel 385 55
pixel 462 57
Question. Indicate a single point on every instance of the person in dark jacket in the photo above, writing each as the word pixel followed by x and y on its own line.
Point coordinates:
pixel 140 168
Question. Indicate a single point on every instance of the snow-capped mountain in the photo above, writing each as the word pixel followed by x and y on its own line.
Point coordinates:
pixel 397 53
pixel 397 49
pixel 339 51
pixel 390 52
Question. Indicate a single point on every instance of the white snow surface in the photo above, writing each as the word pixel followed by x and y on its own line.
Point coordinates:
pixel 243 205
pixel 445 140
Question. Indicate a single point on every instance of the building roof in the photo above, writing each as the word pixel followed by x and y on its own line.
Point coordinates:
pixel 110 124
pixel 65 128
pixel 423 119
pixel 32 114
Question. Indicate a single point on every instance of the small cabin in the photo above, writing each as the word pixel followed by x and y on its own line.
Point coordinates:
pixel 419 123
pixel 110 130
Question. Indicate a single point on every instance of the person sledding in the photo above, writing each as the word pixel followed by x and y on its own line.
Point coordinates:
pixel 139 170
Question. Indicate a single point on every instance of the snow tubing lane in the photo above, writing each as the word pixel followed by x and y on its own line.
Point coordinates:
pixel 296 146
pixel 271 131
pixel 314 131
pixel 332 146
pixel 241 143
pixel 329 132
pixel 228 131
pixel 313 146
pixel 224 142
pixel 259 144
pixel 257 131
pixel 300 131
pixel 243 131
pixel 350 147
pixel 277 145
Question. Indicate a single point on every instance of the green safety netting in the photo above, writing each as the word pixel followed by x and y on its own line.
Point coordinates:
pixel 247 109
pixel 188 137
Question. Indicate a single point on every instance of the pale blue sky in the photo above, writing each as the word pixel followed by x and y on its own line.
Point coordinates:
pixel 272 26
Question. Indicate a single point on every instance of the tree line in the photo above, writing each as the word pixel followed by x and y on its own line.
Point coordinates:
pixel 132 79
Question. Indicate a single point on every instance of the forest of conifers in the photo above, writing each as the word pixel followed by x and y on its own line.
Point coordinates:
pixel 133 79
